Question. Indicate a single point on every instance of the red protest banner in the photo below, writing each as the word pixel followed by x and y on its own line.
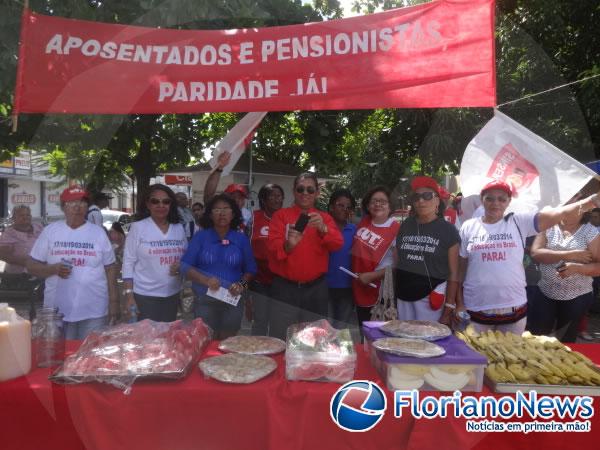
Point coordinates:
pixel 438 54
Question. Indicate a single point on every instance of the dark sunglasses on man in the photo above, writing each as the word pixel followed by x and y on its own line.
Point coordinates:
pixel 427 196
pixel 309 189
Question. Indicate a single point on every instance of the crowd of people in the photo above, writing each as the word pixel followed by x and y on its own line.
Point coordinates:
pixel 299 263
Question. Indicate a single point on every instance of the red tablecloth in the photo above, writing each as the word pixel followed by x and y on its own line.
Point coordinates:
pixel 197 413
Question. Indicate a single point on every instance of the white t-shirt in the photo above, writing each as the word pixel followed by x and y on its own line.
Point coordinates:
pixel 84 295
pixel 148 255
pixel 551 284
pixel 495 276
pixel 94 215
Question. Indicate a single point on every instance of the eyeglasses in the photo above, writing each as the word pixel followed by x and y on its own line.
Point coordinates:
pixel 379 201
pixel 155 201
pixel 342 206
pixel 309 189
pixel 221 210
pixel 492 199
pixel 427 196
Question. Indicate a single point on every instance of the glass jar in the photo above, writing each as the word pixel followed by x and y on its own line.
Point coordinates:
pixel 48 335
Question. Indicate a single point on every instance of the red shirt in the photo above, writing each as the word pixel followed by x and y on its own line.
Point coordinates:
pixel 309 259
pixel 450 215
pixel 369 246
pixel 258 237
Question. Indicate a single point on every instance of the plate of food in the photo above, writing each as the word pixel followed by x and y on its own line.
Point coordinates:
pixel 417 348
pixel 416 329
pixel 252 345
pixel 237 368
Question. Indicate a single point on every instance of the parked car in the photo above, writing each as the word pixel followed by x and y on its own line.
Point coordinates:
pixel 112 215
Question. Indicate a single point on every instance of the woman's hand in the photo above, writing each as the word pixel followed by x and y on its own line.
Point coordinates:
pixel 174 269
pixel 364 278
pixel 62 270
pixel 131 305
pixel 447 317
pixel 580 256
pixel 236 289
pixel 568 269
pixel 213 283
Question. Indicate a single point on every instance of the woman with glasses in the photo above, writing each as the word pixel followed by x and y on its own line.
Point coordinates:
pixel 372 249
pixel 341 300
pixel 491 256
pixel 77 261
pixel 220 257
pixel 427 247
pixel 153 248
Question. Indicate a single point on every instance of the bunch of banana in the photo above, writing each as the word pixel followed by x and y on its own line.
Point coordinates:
pixel 531 359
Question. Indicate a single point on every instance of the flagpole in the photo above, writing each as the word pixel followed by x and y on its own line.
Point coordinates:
pixel 250 169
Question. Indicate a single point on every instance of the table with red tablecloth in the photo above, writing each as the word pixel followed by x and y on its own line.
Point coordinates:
pixel 198 413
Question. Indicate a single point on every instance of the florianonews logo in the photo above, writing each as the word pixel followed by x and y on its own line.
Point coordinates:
pixel 358 405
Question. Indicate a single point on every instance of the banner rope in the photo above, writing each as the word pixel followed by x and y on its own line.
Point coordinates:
pixel 548 90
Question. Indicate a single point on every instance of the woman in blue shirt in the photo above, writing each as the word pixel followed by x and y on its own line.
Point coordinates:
pixel 219 256
pixel 341 300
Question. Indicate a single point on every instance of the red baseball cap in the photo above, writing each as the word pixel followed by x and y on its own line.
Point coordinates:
pixel 425 182
pixel 74 192
pixel 501 186
pixel 236 188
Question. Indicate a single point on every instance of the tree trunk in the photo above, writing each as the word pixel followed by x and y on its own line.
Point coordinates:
pixel 143 170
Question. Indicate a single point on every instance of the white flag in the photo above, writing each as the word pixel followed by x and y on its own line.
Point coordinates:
pixel 542 174
pixel 236 141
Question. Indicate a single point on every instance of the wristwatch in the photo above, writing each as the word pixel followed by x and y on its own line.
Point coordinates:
pixel 127 291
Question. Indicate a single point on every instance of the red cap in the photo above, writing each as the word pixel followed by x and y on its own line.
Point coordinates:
pixel 236 188
pixel 425 182
pixel 74 192
pixel 501 186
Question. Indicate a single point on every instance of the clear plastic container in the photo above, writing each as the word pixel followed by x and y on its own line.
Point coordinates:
pixel 48 337
pixel 316 351
pixel 15 344
pixel 460 369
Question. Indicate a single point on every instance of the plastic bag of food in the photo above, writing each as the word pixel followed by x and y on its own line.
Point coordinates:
pixel 121 354
pixel 237 367
pixel 318 352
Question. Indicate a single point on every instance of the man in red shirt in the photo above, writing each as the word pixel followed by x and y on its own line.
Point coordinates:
pixel 299 260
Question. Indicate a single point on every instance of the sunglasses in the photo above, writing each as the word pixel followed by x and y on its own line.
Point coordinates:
pixel 157 201
pixel 308 189
pixel 427 196
pixel 492 199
